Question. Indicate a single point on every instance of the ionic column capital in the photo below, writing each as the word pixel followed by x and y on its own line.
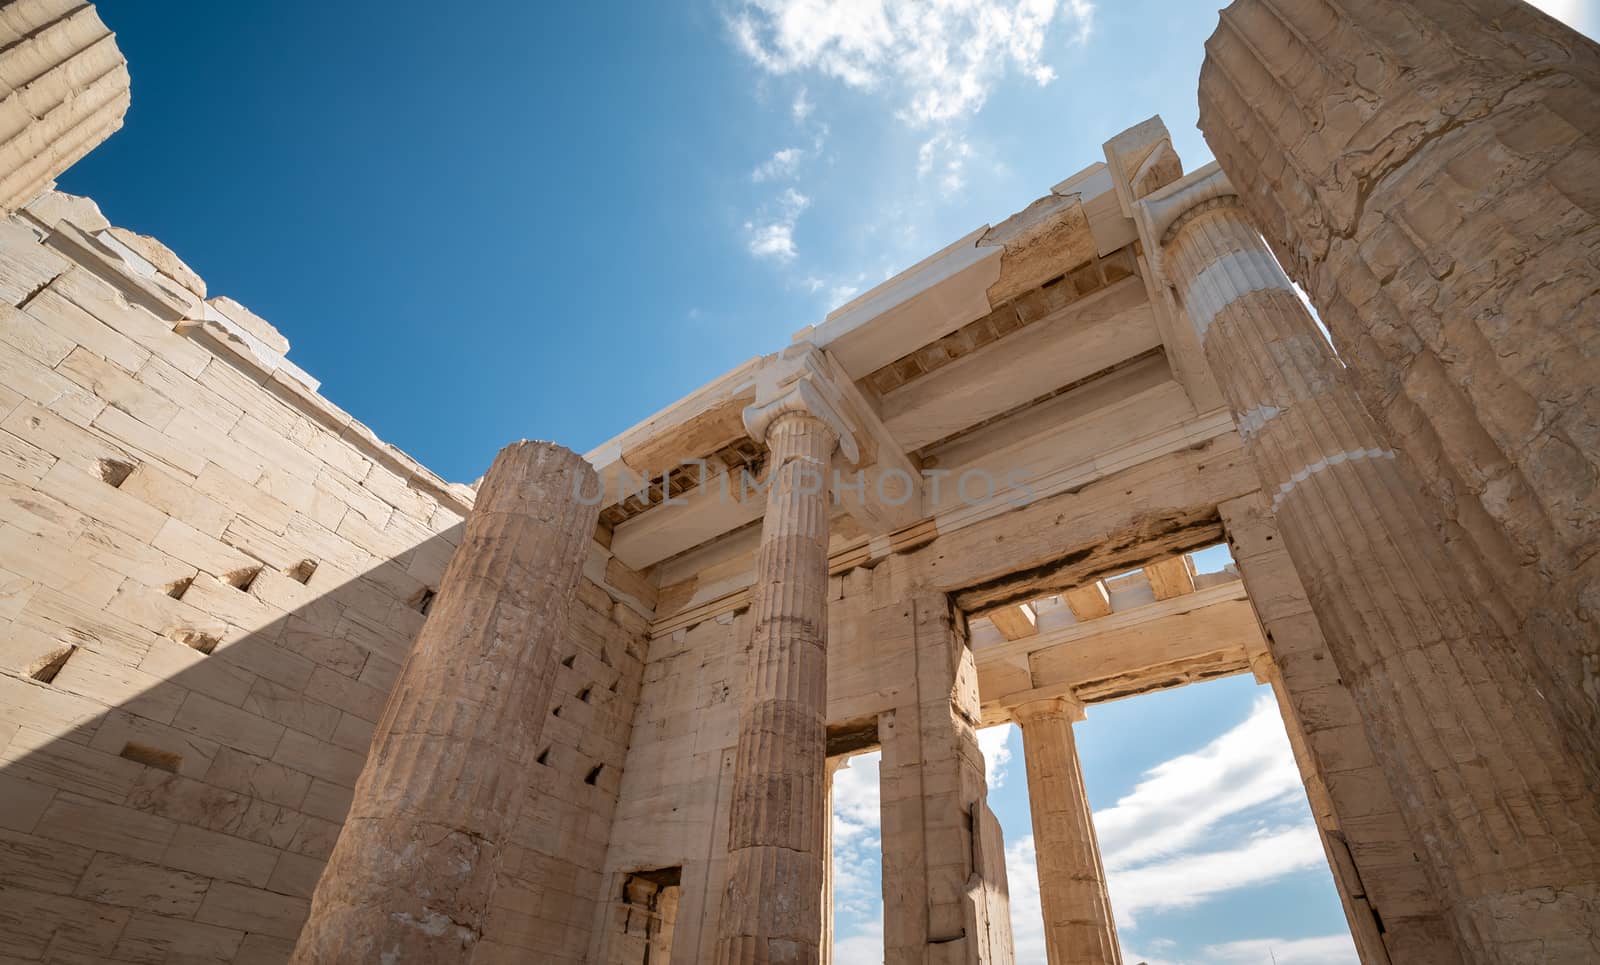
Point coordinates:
pixel 1066 706
pixel 802 397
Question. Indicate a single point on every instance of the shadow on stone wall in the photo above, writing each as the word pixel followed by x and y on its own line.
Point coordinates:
pixel 159 802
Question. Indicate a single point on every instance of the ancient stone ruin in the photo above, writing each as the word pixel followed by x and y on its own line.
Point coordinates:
pixel 272 691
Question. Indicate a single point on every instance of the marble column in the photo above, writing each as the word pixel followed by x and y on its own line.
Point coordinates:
pixel 1358 911
pixel 1476 759
pixel 412 876
pixel 1425 169
pixel 771 907
pixel 1078 925
pixel 63 90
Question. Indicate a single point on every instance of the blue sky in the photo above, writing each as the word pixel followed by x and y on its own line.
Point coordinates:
pixel 482 222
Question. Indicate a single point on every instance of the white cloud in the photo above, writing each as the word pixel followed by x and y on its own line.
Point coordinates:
pixel 855 798
pixel 1180 800
pixel 941 57
pixel 1154 842
pixel 1189 880
pixel 865 947
pixel 1027 916
pixel 1320 950
pixel 857 847
pixel 802 106
pixel 945 154
pixel 772 240
pixel 773 236
pixel 996 755
pixel 840 294
pixel 781 166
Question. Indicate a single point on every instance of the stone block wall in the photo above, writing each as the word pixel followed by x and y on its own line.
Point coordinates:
pixel 209 579
pixel 899 670
pixel 550 888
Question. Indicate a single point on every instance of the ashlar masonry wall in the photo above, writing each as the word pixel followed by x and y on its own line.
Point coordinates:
pixel 900 678
pixel 209 579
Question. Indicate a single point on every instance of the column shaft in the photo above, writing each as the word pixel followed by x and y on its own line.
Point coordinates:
pixel 1392 905
pixel 1078 925
pixel 413 873
pixel 1426 171
pixel 1510 835
pixel 771 909
pixel 63 90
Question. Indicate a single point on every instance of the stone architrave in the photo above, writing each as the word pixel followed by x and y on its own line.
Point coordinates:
pixel 413 874
pixel 1493 794
pixel 1078 925
pixel 771 907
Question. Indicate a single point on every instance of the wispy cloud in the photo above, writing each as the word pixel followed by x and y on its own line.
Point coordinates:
pixel 1180 800
pixel 1189 880
pixel 802 106
pixel 773 236
pixel 929 65
pixel 857 892
pixel 1320 950
pixel 781 166
pixel 993 742
pixel 944 156
pixel 940 57
pixel 1027 915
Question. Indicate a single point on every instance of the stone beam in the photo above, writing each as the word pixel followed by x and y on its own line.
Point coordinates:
pixel 885 493
pixel 692 428
pixel 1015 622
pixel 1205 634
pixel 1080 339
pixel 1157 508
pixel 1170 577
pixel 1088 602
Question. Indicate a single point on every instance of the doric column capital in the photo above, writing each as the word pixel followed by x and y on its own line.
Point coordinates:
pixel 798 396
pixel 1164 209
pixel 1065 706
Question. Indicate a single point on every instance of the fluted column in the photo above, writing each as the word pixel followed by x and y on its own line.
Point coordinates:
pixel 1425 169
pixel 1510 836
pixel 771 907
pixel 63 90
pixel 1078 925
pixel 1358 911
pixel 413 874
